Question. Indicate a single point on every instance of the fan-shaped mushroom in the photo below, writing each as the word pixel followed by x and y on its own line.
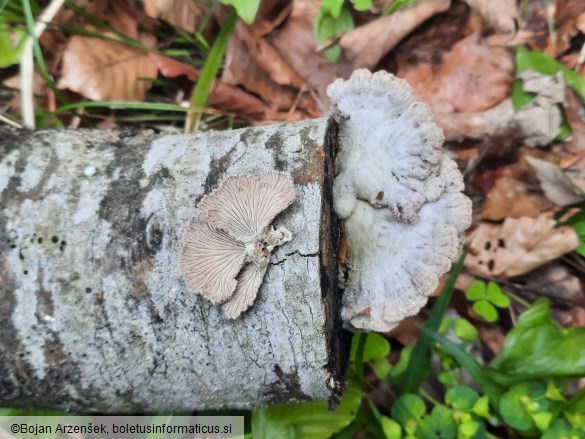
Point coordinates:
pixel 228 245
pixel 400 197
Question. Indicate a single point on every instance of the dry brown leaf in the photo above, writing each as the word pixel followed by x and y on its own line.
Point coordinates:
pixel 224 96
pixel 295 41
pixel 517 246
pixel 473 77
pixel 493 336
pixel 367 44
pixel 235 100
pixel 553 280
pixel 556 185
pixel 171 68
pixel 575 113
pixel 569 16
pixel 501 14
pixel 511 197
pixel 181 13
pixel 266 57
pixel 123 16
pixel 240 70
pixel 408 330
pixel 12 105
pixel 104 70
pixel 578 317
pixel 537 123
pixel 271 13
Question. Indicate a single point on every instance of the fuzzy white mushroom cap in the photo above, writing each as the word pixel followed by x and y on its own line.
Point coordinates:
pixel 400 197
pixel 227 247
pixel 390 146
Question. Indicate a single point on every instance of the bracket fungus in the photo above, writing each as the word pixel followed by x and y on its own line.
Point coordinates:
pixel 227 247
pixel 400 198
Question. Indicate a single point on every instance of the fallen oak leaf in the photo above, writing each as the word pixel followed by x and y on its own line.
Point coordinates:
pixel 105 70
pixel 185 14
pixel 517 246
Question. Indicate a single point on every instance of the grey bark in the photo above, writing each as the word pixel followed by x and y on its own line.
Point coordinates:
pixel 94 313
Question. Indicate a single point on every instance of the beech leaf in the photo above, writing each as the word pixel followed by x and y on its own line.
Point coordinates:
pixel 518 245
pixel 104 70
pixel 185 14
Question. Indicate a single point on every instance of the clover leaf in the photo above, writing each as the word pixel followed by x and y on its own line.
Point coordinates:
pixel 485 298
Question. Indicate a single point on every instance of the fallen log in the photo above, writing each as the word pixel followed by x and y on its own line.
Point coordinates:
pixel 117 250
pixel 94 312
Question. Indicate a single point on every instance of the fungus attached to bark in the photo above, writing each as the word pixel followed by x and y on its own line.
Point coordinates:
pixel 400 198
pixel 227 248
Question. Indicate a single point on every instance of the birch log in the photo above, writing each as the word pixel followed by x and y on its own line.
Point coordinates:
pixel 94 314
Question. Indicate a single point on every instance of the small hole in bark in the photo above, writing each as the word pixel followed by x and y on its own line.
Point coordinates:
pixel 25 271
pixel 491 264
pixel 40 240
pixel 88 290
pixel 55 239
pixel 501 243
pixel 488 245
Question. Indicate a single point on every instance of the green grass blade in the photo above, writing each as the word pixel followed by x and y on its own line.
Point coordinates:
pixel 359 358
pixel 476 370
pixel 419 364
pixel 125 105
pixel 37 51
pixel 210 69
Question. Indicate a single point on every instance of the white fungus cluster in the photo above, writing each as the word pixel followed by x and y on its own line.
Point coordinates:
pixel 227 248
pixel 400 198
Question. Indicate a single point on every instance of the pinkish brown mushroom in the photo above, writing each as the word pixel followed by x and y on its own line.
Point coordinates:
pixel 227 248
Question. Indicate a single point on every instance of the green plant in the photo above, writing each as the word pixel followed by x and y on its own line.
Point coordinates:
pixel 246 9
pixel 486 298
pixel 12 31
pixel 577 221
pixel 525 383
pixel 396 6
pixel 332 20
pixel 542 63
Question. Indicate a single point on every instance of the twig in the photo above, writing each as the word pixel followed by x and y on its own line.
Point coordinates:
pixel 10 122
